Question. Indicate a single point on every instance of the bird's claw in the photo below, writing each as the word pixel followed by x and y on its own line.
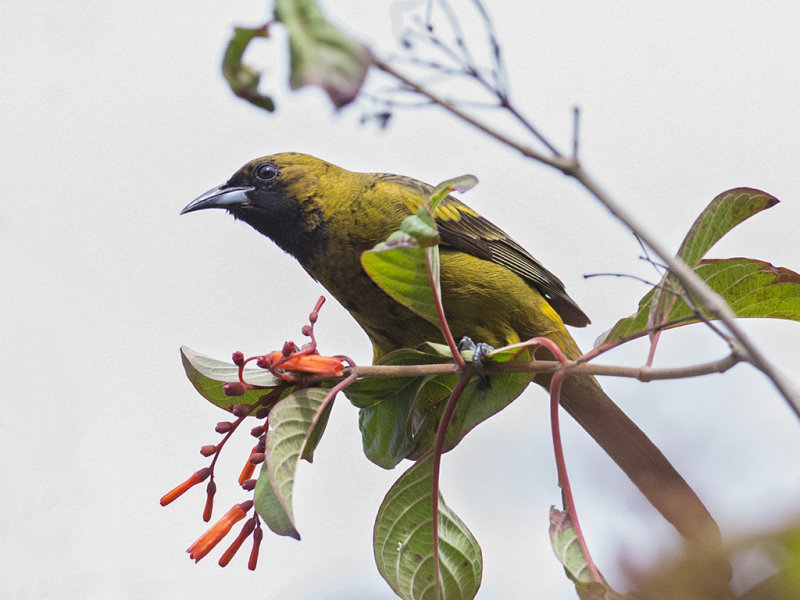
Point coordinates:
pixel 480 351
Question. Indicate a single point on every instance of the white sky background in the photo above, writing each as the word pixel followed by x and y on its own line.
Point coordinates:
pixel 114 116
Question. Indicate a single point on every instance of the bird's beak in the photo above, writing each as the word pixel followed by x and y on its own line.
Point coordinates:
pixel 219 197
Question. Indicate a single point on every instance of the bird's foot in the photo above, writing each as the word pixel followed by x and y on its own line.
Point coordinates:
pixel 480 351
pixel 480 357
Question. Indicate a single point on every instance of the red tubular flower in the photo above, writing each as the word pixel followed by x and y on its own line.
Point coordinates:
pixel 206 542
pixel 180 490
pixel 311 363
pixel 226 557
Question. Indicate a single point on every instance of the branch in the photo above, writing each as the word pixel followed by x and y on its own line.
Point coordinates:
pixel 549 366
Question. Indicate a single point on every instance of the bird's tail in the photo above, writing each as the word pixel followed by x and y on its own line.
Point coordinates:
pixel 634 452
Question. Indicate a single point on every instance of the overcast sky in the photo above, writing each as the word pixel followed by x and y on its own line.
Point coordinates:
pixel 115 115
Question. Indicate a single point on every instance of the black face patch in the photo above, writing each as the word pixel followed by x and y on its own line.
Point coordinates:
pixel 299 229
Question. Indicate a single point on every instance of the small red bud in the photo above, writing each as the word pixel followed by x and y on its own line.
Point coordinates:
pixel 307 330
pixel 234 388
pixel 211 489
pixel 257 457
pixel 315 313
pixel 208 450
pixel 288 348
pixel 249 484
pixel 262 412
pixel 264 362
pixel 238 358
pixel 223 427
pixel 241 410
pixel 258 534
pixel 257 431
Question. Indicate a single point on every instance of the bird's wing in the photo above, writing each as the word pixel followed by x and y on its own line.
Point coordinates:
pixel 473 234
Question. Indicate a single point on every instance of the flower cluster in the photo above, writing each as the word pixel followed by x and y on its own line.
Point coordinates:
pixel 291 365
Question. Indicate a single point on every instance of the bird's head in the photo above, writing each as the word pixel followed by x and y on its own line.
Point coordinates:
pixel 279 196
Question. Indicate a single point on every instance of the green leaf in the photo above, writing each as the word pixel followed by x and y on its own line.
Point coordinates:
pixel 242 78
pixel 402 272
pixel 271 508
pixel 568 550
pixel 208 375
pixel 292 423
pixel 398 415
pixel 421 228
pixel 480 400
pixel 385 404
pixel 384 440
pixel 722 214
pixel 320 53
pixel 569 553
pixel 752 288
pixel 462 183
pixel 403 542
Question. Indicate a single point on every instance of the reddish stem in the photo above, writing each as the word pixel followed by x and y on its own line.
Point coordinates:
pixel 561 469
pixel 437 299
pixel 438 446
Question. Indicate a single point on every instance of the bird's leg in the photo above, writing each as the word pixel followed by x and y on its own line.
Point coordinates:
pixel 480 357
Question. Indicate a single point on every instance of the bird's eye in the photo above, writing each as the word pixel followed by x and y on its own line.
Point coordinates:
pixel 267 172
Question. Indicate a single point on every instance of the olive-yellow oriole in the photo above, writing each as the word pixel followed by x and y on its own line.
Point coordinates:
pixel 492 289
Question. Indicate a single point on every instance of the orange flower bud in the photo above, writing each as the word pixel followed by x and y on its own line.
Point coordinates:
pixel 181 489
pixel 247 471
pixel 206 542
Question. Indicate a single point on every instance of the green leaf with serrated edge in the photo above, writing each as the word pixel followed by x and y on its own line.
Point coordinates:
pixel 752 288
pixel 723 213
pixel 291 421
pixel 208 375
pixel 402 273
pixel 320 53
pixel 242 78
pixel 403 542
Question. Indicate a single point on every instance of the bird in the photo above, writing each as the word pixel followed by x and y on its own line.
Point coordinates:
pixel 493 291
